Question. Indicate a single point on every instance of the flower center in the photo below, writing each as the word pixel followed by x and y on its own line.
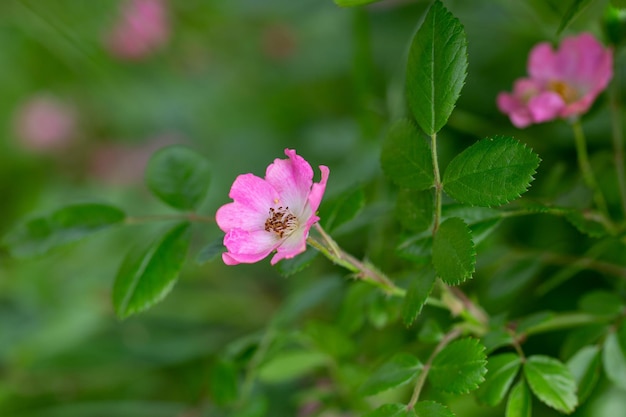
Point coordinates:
pixel 565 90
pixel 281 221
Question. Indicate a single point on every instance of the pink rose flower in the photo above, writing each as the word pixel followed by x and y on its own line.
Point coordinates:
pixel 271 214
pixel 142 28
pixel 562 83
pixel 45 123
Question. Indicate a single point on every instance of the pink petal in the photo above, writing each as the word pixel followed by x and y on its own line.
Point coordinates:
pixel 292 178
pixel 318 189
pixel 545 106
pixel 248 247
pixel 237 216
pixel 252 192
pixel 542 62
pixel 294 245
pixel 516 110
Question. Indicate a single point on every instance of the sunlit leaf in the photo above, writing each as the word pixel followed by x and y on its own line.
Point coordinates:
pixel 436 68
pixel 179 176
pixel 501 371
pixel 552 382
pixel 432 409
pixel 146 277
pixel 614 359
pixel 397 371
pixel 519 403
pixel 491 172
pixel 460 367
pixel 419 290
pixel 454 255
pixel 406 157
pixel 391 410
pixel 585 366
pixel 63 226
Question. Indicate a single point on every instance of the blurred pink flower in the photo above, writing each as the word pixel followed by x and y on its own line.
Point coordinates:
pixel 271 214
pixel 124 163
pixel 142 28
pixel 45 123
pixel 562 83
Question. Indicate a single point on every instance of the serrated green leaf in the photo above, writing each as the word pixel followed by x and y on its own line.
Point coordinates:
pixel 288 267
pixel 585 367
pixel 391 410
pixel 406 157
pixel 454 256
pixel 291 365
pixel 353 3
pixel 602 303
pixel 399 370
pixel 224 382
pixel 551 382
pixel 614 360
pixel 501 371
pixel 414 209
pixel 342 209
pixel 69 224
pixel 573 10
pixel 460 367
pixel 436 68
pixel 519 403
pixel 432 409
pixel 178 176
pixel 491 172
pixel 146 277
pixel 586 223
pixel 416 296
pixel 211 251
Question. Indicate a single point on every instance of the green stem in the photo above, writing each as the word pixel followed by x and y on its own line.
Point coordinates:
pixel 421 379
pixel 438 185
pixel 585 168
pixel 362 270
pixel 564 321
pixel 618 140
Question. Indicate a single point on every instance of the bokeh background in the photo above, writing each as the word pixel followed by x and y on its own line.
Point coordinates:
pixel 89 89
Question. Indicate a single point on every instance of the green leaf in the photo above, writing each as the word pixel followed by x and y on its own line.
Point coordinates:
pixel 414 209
pixel 224 382
pixel 436 68
pixel 551 382
pixel 519 403
pixel 602 303
pixel 353 3
pixel 495 339
pixel 586 223
pixel 291 365
pixel 585 367
pixel 416 296
pixel 417 249
pixel 430 332
pixel 454 256
pixel 146 277
pixel 460 367
pixel 501 371
pixel 211 251
pixel 63 226
pixel 491 172
pixel 399 370
pixel 574 9
pixel 330 339
pixel 406 157
pixel 342 209
pixel 179 176
pixel 614 360
pixel 432 409
pixel 391 410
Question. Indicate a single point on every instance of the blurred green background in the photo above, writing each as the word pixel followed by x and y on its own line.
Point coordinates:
pixel 239 81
